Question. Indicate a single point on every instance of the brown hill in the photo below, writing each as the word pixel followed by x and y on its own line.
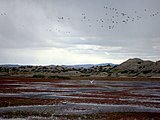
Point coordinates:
pixel 138 67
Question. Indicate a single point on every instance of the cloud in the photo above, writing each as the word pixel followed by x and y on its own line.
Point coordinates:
pixel 43 32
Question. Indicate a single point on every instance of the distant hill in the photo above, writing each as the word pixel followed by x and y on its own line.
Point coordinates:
pixel 10 65
pixel 68 66
pixel 138 67
pixel 88 65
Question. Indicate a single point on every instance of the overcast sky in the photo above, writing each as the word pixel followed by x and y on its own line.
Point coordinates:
pixel 78 31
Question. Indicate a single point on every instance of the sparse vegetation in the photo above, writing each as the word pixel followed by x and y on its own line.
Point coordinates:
pixel 59 77
pixel 39 76
pixel 85 75
pixel 50 77
pixel 147 71
pixel 124 71
pixel 130 68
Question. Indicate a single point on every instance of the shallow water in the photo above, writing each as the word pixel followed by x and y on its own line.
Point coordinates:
pixel 145 93
pixel 140 88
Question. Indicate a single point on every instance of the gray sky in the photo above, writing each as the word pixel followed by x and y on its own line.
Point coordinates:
pixel 78 31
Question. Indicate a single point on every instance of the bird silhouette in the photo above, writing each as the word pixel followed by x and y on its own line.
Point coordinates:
pixel 110 19
pixel 91 81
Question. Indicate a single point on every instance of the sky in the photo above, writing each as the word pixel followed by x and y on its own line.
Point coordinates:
pixel 44 32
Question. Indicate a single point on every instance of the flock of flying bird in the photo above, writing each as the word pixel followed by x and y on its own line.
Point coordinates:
pixel 3 14
pixel 111 18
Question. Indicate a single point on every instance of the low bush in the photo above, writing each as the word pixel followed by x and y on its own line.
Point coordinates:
pixel 85 75
pixel 38 76
pixel 147 71
pixel 124 71
pixel 58 77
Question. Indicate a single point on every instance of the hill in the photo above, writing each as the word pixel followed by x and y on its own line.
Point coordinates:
pixel 138 67
pixel 88 65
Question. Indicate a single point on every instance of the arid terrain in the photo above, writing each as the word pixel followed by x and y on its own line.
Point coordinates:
pixel 130 68
pixel 80 98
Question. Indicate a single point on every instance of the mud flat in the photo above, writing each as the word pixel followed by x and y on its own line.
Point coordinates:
pixel 27 98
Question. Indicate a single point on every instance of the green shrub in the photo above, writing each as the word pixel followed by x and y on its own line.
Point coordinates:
pixel 85 75
pixel 132 71
pixel 124 71
pixel 38 76
pixel 58 77
pixel 147 71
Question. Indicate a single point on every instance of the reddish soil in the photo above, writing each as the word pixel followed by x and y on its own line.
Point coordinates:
pixel 15 101
pixel 28 79
pixel 108 97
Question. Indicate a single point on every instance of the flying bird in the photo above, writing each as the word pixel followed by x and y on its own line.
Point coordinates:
pixel 91 81
pixel 111 18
